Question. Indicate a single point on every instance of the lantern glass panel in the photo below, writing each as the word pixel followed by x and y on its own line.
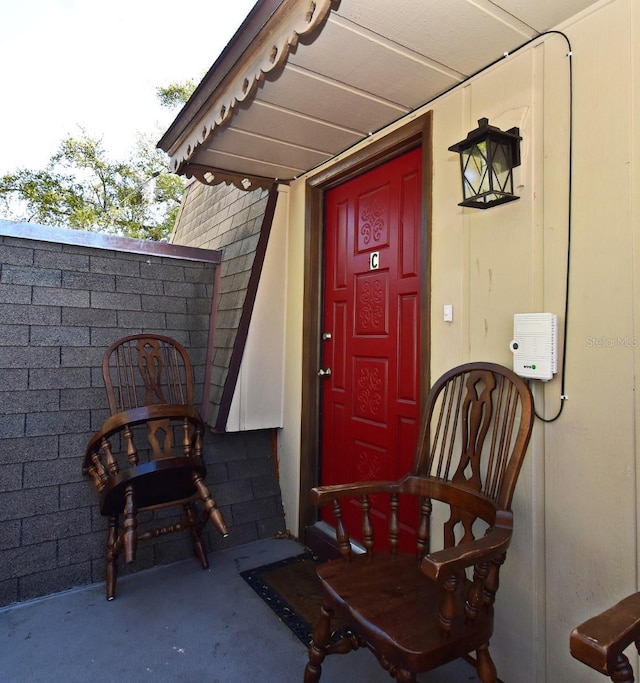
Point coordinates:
pixel 501 166
pixel 474 169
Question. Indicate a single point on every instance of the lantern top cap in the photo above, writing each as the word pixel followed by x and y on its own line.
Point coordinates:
pixel 484 131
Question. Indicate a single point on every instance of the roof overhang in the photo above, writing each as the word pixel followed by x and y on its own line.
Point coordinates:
pixel 304 80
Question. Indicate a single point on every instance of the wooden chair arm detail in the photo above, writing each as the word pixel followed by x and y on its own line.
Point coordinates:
pixel 120 421
pixel 443 563
pixel 323 495
pixel 600 641
pixel 444 491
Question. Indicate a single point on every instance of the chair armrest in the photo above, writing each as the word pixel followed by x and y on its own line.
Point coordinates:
pixel 444 563
pixel 135 416
pixel 600 641
pixel 323 495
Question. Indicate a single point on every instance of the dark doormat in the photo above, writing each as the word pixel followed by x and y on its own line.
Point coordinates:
pixel 292 589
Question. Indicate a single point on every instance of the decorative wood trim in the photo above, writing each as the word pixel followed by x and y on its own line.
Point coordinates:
pixel 267 53
pixel 215 176
pixel 416 132
pixel 245 319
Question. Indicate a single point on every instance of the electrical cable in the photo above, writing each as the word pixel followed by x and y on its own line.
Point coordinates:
pixel 563 396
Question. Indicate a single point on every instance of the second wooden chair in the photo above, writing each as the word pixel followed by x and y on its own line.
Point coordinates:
pixel 418 610
pixel 148 453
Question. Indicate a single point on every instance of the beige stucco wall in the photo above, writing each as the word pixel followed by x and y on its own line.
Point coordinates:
pixel 575 550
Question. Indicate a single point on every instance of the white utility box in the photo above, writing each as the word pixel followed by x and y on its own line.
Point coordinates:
pixel 535 345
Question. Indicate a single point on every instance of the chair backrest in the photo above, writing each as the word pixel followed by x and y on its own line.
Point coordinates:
pixel 477 425
pixel 147 369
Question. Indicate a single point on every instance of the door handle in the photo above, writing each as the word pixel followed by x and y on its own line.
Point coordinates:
pixel 324 372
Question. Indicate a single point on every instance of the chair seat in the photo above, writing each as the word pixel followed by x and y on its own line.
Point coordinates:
pixel 155 483
pixel 394 607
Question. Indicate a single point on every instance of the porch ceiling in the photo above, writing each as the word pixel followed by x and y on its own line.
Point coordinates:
pixel 301 81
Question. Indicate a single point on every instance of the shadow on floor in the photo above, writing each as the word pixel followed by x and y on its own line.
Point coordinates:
pixel 175 623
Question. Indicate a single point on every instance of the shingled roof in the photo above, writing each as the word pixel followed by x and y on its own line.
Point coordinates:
pixel 237 223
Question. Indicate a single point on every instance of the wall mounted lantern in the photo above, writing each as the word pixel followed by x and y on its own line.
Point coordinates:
pixel 487 159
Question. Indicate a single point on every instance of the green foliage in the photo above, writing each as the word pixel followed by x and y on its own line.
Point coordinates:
pixel 175 94
pixel 82 188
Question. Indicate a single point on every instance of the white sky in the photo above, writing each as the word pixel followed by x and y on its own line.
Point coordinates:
pixel 96 64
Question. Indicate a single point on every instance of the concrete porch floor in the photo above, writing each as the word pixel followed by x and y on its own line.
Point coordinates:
pixel 175 623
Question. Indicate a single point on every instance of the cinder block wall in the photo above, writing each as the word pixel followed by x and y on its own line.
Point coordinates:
pixel 61 305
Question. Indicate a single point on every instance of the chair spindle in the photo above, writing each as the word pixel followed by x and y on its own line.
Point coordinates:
pixel 394 524
pixel 342 537
pixel 367 528
pixel 422 541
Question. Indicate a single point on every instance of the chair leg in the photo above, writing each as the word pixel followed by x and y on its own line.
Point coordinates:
pixel 196 535
pixel 130 525
pixel 317 651
pixel 210 505
pixel 111 572
pixel 486 668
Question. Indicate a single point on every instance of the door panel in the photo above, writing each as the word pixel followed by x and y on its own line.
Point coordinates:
pixel 370 402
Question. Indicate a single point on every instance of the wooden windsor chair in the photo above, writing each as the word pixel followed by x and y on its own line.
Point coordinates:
pixel 148 453
pixel 416 611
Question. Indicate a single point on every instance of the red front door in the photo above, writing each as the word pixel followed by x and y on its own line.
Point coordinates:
pixel 370 401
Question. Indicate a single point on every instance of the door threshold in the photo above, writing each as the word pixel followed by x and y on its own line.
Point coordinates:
pixel 321 539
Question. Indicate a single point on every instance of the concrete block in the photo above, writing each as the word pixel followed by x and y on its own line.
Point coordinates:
pixel 15 379
pixel 81 549
pixel 185 289
pixel 265 487
pixel 57 422
pixel 254 510
pixel 15 294
pixel 72 399
pixel 8 591
pixel 79 494
pixel 49 296
pixel 166 270
pixel 27 449
pixel 251 467
pixel 116 300
pixel 54 580
pixel 232 492
pixel 78 262
pixel 89 317
pixel 63 524
pixel 166 304
pixel 21 561
pixel 92 282
pixel 141 319
pixel 138 285
pixel 10 477
pixel 44 277
pixel 29 315
pixel 81 357
pixel 51 473
pixel 14 335
pixel 28 401
pixel 10 534
pixel 59 335
pixel 57 378
pixel 115 266
pixel 16 254
pixel 30 357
